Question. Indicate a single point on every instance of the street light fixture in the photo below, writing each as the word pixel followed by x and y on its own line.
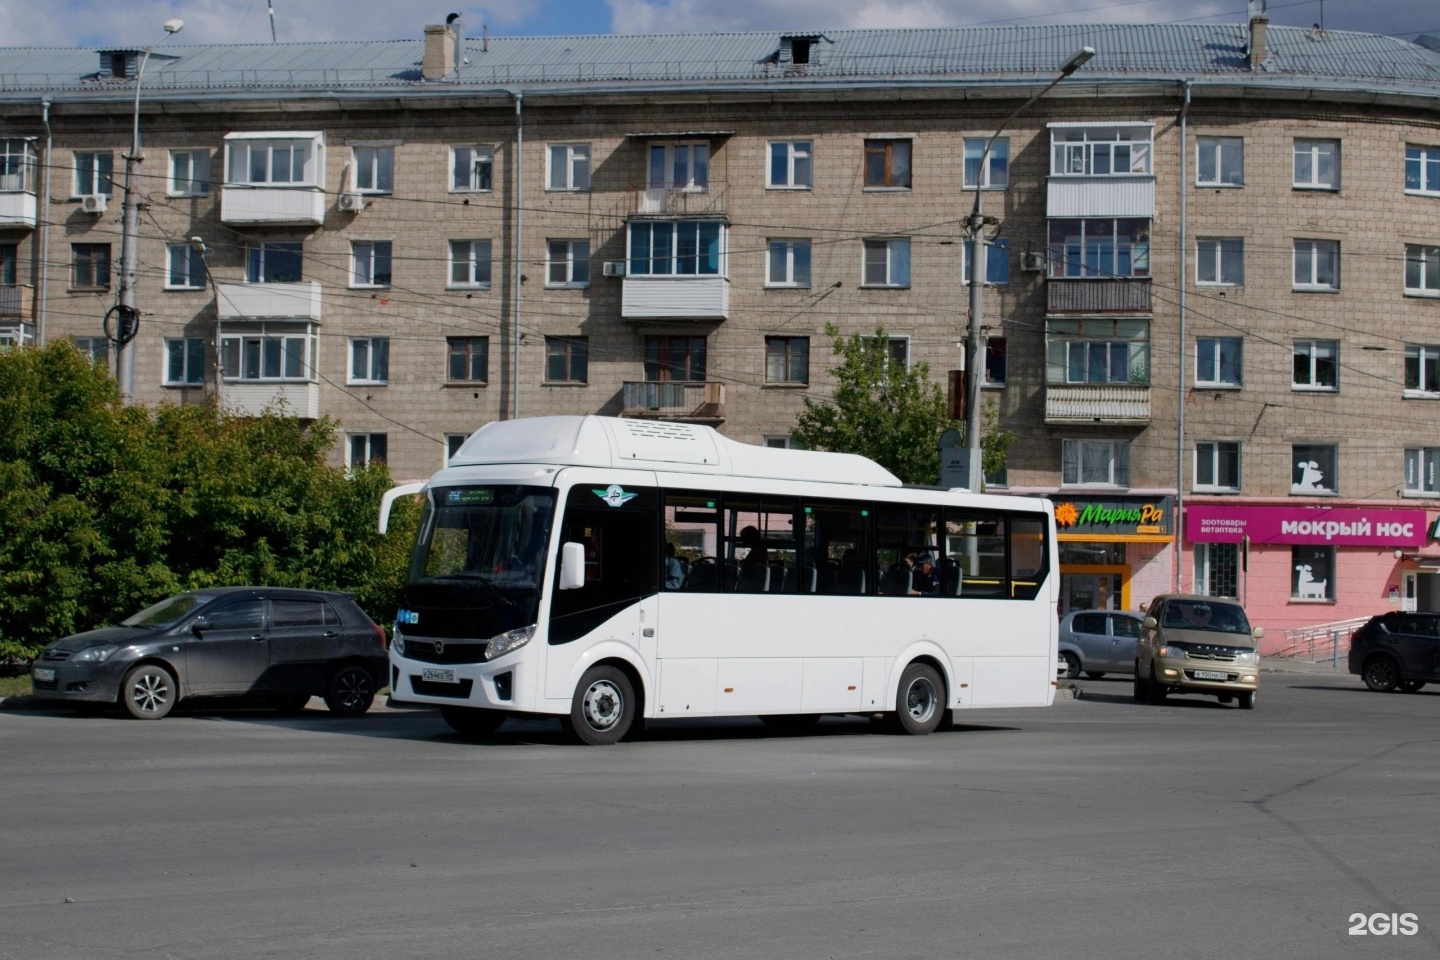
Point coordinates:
pixel 974 351
pixel 126 314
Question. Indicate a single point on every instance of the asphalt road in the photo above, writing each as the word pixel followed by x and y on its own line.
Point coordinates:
pixel 1096 828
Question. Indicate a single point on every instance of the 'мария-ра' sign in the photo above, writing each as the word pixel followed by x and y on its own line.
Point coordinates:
pixel 1141 518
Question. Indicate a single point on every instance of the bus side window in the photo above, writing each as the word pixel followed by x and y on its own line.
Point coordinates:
pixel 761 551
pixel 836 543
pixel 692 533
pixel 1029 562
pixel 975 548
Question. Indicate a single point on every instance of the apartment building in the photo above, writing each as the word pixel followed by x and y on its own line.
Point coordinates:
pixel 1211 294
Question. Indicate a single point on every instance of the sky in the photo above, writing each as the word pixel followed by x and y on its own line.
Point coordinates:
pixel 139 22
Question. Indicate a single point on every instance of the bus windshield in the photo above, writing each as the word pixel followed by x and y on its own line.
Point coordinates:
pixel 495 534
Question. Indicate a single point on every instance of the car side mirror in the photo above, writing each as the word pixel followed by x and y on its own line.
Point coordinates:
pixel 1258 633
pixel 1149 623
pixel 199 624
pixel 572 566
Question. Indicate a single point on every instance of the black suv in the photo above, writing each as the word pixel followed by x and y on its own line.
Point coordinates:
pixel 282 645
pixel 1397 651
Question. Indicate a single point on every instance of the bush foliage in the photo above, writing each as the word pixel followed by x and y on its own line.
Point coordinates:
pixel 106 508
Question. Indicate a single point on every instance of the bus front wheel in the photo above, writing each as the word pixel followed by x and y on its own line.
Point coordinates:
pixel 920 704
pixel 604 707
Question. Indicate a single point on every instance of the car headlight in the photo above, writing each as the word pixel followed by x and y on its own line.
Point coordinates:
pixel 1250 657
pixel 1172 651
pixel 398 641
pixel 509 640
pixel 96 654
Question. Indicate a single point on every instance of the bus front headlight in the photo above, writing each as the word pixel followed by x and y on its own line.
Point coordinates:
pixel 398 641
pixel 509 640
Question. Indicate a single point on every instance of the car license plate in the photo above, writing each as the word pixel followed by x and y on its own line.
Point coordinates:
pixel 40 673
pixel 431 675
pixel 1211 675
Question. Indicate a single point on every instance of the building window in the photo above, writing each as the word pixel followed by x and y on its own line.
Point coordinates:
pixel 1422 170
pixel 189 173
pixel 1217 465
pixel 887 164
pixel 268 356
pixel 1097 351
pixel 789 264
pixel 453 443
pixel 1220 261
pixel 1422 470
pixel 375 169
pixel 274 262
pixel 1312 573
pixel 1219 162
pixel 369 360
pixel 1101 248
pixel 1217 569
pixel 676 248
pixel 1317 164
pixel 1218 361
pixel 472 169
pixel 568 264
pixel 567 359
pixel 787 359
pixel 1422 270
pixel 1422 369
pixel 995 364
pixel 91 265
pixel 681 165
pixel 1315 365
pixel 367 448
pixel 675 359
pixel 95 349
pixel 184 362
pixel 186 268
pixel 782 443
pixel 1100 151
pixel 469 359
pixel 887 263
pixel 569 166
pixel 1317 264
pixel 17 165
pixel 790 165
pixel 1095 463
pixel 996 174
pixel 1314 468
pixel 997 261
pixel 470 263
pixel 371 263
pixel 271 162
pixel 94 173
pixel 9 262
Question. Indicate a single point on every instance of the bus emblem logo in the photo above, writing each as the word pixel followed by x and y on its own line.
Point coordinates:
pixel 614 495
pixel 439 647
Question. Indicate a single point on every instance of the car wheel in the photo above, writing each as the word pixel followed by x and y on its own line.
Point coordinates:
pixel 791 723
pixel 1072 665
pixel 290 702
pixel 149 692
pixel 1155 690
pixel 1247 700
pixel 1410 686
pixel 1380 674
pixel 470 722
pixel 351 691
pixel 1094 674
pixel 1142 690
pixel 920 704
pixel 603 708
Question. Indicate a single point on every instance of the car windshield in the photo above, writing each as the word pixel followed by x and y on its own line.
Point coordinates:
pixel 496 534
pixel 1203 615
pixel 166 612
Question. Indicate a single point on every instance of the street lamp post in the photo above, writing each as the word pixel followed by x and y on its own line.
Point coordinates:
pixel 127 315
pixel 974 350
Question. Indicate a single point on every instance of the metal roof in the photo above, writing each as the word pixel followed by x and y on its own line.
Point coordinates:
pixel 678 62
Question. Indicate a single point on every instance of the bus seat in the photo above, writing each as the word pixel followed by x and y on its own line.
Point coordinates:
pixel 896 582
pixel 826 575
pixel 702 576
pixel 850 582
pixel 782 579
pixel 949 578
pixel 807 579
pixel 753 578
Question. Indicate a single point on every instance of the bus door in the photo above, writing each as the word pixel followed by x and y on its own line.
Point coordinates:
pixel 619 527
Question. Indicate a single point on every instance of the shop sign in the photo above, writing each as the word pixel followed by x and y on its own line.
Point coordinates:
pixel 1146 517
pixel 1332 526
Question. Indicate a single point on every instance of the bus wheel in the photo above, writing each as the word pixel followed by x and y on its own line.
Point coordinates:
pixel 603 708
pixel 920 705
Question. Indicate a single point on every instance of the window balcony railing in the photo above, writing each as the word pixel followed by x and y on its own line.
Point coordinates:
pixel 275 205
pixel 1118 404
pixel 674 400
pixel 17 209
pixel 15 302
pixel 678 200
pixel 238 301
pixel 1098 296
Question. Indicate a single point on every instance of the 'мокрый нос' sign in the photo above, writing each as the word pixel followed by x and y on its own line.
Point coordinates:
pixel 1337 526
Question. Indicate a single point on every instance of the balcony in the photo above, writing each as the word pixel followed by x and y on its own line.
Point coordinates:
pixel 275 206
pixel 263 301
pixel 251 398
pixel 691 402
pixel 670 298
pixel 15 302
pixel 1097 296
pixel 17 209
pixel 1113 196
pixel 678 200
pixel 1117 404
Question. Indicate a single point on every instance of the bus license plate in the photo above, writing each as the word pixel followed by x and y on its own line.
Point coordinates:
pixel 1210 675
pixel 430 675
pixel 40 673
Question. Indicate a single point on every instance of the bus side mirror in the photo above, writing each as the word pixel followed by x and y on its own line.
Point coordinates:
pixel 572 566
pixel 1149 623
pixel 1258 633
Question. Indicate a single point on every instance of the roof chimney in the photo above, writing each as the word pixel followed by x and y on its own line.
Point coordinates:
pixel 439 59
pixel 1259 23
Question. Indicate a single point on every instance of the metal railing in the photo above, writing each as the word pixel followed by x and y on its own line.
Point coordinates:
pixel 1321 641
pixel 677 400
pixel 678 200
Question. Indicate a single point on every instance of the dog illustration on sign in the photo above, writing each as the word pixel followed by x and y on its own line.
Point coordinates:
pixel 1309 587
pixel 1310 477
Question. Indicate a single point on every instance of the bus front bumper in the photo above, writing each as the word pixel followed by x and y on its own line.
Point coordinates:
pixel 489 686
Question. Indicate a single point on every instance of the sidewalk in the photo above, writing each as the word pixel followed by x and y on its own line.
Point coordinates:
pixel 1323 668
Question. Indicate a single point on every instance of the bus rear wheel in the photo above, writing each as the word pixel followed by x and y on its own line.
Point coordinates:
pixel 604 707
pixel 920 703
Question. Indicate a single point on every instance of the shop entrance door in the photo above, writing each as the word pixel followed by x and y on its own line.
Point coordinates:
pixel 1089 591
pixel 1420 592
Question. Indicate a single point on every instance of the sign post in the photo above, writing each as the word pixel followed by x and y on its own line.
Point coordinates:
pixel 955 465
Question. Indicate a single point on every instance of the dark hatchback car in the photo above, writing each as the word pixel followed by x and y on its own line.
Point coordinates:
pixel 282 645
pixel 1397 651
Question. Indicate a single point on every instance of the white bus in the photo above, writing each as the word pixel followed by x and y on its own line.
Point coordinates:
pixel 611 571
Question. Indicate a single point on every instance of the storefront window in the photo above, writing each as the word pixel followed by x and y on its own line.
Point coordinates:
pixel 1312 573
pixel 1107 554
pixel 1216 569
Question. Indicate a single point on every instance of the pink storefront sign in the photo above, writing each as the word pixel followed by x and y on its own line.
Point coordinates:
pixel 1334 526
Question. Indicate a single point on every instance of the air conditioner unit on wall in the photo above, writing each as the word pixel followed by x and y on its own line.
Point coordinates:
pixel 1033 261
pixel 93 202
pixel 352 202
pixel 614 268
